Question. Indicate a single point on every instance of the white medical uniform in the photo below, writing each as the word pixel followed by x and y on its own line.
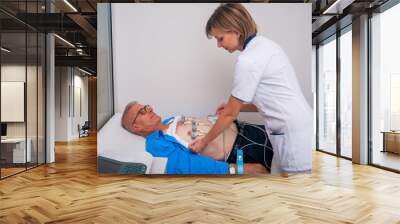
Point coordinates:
pixel 265 77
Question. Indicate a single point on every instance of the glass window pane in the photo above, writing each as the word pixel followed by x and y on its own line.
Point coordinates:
pixel 31 101
pixel 386 89
pixel 346 94
pixel 14 153
pixel 327 97
pixel 23 86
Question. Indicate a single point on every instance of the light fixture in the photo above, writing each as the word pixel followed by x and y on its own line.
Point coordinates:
pixel 84 71
pixel 64 40
pixel 337 7
pixel 70 5
pixel 79 51
pixel 5 49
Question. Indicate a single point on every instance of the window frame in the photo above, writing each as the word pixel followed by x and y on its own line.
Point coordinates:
pixel 334 37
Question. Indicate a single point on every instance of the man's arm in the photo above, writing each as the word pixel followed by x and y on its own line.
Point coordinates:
pixel 250 168
pixel 182 161
pixel 185 162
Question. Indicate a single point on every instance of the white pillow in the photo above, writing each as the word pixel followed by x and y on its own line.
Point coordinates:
pixel 116 143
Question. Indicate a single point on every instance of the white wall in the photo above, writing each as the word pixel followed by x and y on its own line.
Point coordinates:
pixel 80 83
pixel 66 119
pixel 12 101
pixel 105 102
pixel 162 56
pixel 12 73
pixel 61 83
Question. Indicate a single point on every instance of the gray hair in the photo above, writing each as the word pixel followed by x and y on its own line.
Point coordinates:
pixel 127 108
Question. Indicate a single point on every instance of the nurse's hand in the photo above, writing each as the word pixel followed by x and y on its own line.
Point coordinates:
pixel 197 145
pixel 220 108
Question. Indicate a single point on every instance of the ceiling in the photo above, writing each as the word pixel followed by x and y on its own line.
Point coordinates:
pixel 77 26
pixel 76 22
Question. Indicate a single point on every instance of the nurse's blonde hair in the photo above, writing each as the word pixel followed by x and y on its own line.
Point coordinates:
pixel 232 17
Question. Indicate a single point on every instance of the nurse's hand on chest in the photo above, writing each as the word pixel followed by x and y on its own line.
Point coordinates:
pixel 198 145
pixel 228 114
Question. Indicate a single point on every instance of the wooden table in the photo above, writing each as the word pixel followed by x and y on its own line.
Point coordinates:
pixel 391 141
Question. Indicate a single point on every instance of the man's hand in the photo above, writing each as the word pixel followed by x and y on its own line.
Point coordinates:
pixel 197 145
pixel 254 168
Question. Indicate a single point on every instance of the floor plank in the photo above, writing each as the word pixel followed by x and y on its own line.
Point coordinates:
pixel 71 191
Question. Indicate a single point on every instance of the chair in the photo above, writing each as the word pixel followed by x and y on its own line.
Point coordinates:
pixel 84 130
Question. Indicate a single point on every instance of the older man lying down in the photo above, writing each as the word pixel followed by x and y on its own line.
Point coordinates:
pixel 171 137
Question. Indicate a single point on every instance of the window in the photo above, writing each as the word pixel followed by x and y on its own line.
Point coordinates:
pixel 22 66
pixel 334 77
pixel 327 96
pixel 346 93
pixel 385 88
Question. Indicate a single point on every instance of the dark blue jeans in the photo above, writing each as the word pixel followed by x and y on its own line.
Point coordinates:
pixel 252 153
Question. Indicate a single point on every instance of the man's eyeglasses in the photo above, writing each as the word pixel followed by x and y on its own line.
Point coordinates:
pixel 142 111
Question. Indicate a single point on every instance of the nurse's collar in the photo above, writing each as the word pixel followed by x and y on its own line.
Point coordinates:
pixel 248 39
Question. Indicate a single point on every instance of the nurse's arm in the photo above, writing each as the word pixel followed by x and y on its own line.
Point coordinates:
pixel 227 116
pixel 248 107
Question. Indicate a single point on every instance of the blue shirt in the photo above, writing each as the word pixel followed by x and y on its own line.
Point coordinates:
pixel 180 159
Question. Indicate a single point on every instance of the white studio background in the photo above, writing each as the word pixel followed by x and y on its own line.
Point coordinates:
pixel 162 57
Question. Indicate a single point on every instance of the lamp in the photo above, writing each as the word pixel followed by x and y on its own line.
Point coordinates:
pixel 70 5
pixel 64 40
pixel 5 50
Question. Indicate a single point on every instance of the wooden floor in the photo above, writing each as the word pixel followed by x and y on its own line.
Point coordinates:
pixel 5 172
pixel 70 191
pixel 10 171
pixel 387 159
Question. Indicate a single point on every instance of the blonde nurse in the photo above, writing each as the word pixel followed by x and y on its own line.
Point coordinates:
pixel 264 82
